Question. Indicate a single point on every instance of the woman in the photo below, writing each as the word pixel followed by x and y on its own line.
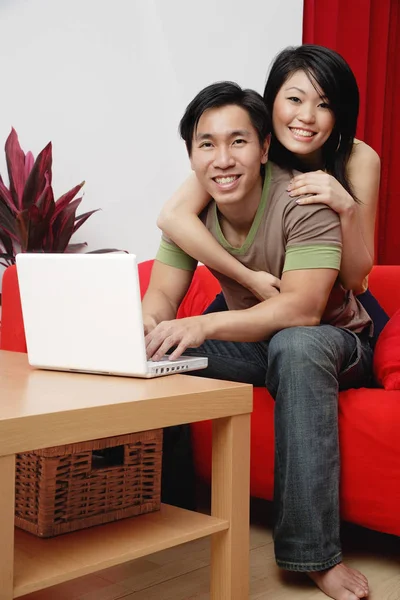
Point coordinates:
pixel 313 98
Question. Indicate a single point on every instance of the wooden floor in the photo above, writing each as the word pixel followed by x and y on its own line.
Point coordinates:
pixel 182 573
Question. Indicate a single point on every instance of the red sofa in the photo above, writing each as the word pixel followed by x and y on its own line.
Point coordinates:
pixel 369 419
pixel 369 423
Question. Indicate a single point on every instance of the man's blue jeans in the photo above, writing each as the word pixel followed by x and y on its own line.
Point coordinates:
pixel 303 368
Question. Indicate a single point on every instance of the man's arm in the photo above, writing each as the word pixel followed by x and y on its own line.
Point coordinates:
pixel 302 301
pixel 312 263
pixel 167 288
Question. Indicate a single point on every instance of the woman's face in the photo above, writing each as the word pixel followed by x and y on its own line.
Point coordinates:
pixel 301 117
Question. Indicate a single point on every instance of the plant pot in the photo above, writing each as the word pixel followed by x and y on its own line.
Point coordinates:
pixel 12 324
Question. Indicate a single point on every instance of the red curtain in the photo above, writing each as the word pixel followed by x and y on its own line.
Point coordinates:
pixel 367 34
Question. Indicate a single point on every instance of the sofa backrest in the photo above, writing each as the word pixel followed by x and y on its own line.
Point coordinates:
pixel 384 282
pixel 202 291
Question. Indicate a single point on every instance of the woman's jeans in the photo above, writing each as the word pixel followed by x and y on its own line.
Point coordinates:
pixel 217 305
pixel 375 311
pixel 303 368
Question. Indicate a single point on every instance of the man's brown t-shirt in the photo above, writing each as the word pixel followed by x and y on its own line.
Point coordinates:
pixel 284 236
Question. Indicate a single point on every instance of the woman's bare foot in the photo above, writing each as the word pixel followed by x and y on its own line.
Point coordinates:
pixel 341 582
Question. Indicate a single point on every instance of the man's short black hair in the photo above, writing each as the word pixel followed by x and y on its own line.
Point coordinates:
pixel 220 94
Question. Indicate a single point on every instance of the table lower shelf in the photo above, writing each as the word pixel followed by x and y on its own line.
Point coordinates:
pixel 41 563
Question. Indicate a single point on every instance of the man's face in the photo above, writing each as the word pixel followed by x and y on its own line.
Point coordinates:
pixel 226 154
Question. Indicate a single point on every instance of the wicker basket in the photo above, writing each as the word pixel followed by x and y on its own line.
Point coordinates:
pixel 71 487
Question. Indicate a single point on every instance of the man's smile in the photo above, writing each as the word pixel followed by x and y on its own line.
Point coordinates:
pixel 226 181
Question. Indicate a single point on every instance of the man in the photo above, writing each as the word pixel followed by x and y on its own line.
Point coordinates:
pixel 285 342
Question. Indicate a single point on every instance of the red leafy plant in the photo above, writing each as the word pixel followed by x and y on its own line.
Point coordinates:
pixel 30 219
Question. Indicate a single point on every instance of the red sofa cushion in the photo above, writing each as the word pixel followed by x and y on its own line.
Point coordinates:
pixel 369 421
pixel 387 355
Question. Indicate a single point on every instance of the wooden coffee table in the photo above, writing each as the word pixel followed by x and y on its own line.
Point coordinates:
pixel 43 408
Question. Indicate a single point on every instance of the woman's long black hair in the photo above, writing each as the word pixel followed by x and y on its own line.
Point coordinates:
pixel 331 73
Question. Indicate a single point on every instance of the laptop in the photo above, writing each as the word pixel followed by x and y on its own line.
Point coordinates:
pixel 82 312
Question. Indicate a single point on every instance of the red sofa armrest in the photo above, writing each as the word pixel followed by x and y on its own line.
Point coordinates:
pixel 12 335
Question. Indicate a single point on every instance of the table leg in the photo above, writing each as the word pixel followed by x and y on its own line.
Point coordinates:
pixel 7 501
pixel 231 500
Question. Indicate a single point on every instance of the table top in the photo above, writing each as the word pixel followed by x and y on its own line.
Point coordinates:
pixel 41 408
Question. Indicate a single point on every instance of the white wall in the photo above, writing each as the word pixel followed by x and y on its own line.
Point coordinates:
pixel 107 82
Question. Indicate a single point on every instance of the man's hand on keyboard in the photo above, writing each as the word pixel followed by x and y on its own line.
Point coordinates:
pixel 179 334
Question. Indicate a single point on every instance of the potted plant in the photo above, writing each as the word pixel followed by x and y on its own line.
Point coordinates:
pixel 32 221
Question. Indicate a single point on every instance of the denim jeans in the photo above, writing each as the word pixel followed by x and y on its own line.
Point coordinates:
pixel 303 368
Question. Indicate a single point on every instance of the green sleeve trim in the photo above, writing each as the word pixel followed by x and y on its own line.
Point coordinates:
pixel 312 257
pixel 170 254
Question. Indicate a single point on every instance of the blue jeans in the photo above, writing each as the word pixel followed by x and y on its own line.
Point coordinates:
pixel 303 368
